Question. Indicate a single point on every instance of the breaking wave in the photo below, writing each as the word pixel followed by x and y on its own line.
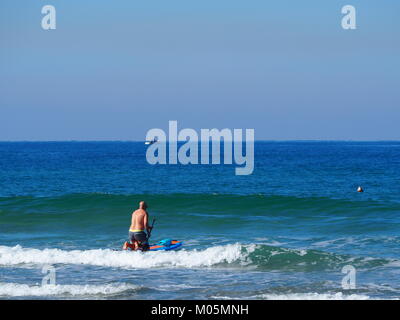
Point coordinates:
pixel 306 296
pixel 261 257
pixel 23 290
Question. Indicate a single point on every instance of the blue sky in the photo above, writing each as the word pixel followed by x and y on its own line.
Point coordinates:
pixel 114 69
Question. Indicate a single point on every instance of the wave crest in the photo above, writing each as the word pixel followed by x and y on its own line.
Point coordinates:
pixel 261 257
pixel 125 259
pixel 23 290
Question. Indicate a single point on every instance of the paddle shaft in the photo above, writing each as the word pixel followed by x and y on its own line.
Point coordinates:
pixel 152 225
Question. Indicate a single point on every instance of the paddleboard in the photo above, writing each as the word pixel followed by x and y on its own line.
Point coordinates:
pixel 166 245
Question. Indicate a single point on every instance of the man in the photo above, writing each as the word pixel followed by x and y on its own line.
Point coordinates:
pixel 140 222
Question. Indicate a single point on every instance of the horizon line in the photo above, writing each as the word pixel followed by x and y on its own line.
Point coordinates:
pixel 256 140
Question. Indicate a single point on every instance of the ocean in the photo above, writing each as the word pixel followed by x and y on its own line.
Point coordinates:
pixel 287 231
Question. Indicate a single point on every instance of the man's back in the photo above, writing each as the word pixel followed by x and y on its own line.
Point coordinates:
pixel 139 220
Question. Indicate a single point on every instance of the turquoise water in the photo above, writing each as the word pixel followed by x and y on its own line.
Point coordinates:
pixel 285 232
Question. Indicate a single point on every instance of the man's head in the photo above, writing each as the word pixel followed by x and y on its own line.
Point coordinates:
pixel 143 205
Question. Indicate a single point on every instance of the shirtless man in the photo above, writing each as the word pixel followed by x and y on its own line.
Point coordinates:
pixel 137 236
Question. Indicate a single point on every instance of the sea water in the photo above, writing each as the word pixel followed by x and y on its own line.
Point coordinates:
pixel 284 232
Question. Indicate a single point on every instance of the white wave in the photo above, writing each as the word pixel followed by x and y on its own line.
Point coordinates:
pixel 24 290
pixel 393 263
pixel 303 296
pixel 314 296
pixel 175 287
pixel 17 255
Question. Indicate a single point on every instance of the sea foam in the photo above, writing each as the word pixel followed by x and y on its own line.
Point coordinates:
pixel 23 290
pixel 11 256
pixel 303 296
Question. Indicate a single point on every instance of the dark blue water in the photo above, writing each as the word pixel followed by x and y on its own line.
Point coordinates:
pixel 285 232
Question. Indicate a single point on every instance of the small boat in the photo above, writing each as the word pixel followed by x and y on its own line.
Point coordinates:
pixel 150 141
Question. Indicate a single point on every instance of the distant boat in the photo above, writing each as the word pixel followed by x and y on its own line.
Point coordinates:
pixel 150 141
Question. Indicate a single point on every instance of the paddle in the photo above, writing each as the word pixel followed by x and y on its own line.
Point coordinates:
pixel 149 233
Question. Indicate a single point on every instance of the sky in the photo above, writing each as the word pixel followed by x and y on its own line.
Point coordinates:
pixel 112 70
